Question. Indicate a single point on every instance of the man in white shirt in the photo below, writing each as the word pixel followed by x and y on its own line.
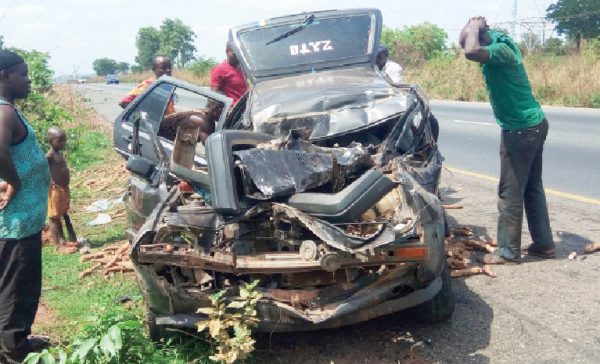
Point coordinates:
pixel 390 68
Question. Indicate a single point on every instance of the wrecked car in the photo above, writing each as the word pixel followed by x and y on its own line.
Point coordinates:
pixel 321 183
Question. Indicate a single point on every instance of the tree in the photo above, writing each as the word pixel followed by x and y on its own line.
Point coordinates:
pixel 123 67
pixel 578 19
pixel 415 44
pixel 201 66
pixel 177 41
pixel 147 43
pixel 39 72
pixel 555 46
pixel 105 66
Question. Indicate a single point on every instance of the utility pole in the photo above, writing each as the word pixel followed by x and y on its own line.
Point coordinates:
pixel 514 18
pixel 543 33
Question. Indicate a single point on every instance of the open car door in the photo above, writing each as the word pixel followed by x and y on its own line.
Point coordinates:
pixel 167 96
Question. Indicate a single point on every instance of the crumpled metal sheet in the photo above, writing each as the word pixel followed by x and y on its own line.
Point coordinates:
pixel 429 173
pixel 323 103
pixel 293 166
pixel 334 236
pixel 286 172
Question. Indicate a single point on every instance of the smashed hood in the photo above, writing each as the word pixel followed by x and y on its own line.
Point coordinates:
pixel 323 103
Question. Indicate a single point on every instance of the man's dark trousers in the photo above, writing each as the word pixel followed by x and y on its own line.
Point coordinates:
pixel 521 185
pixel 20 289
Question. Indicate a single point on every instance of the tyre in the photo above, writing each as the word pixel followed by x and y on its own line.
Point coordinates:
pixel 441 306
pixel 157 333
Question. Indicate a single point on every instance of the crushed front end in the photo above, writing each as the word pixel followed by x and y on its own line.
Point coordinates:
pixel 333 236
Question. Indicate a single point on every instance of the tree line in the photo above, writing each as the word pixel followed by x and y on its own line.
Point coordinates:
pixel 173 38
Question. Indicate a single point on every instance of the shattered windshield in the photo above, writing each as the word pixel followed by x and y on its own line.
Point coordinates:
pixel 308 41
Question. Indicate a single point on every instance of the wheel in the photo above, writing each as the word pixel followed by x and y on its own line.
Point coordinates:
pixel 156 333
pixel 441 306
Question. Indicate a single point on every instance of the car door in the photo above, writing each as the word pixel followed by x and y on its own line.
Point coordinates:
pixel 165 96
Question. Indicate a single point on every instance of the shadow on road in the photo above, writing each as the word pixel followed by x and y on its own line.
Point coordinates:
pixel 396 338
pixel 570 242
pixel 449 196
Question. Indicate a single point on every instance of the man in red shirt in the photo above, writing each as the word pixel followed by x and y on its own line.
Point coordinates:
pixel 228 78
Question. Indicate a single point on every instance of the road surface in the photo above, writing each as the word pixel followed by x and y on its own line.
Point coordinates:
pixel 470 139
pixel 535 312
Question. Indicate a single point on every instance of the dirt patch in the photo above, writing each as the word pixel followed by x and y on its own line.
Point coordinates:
pixel 77 106
pixel 44 319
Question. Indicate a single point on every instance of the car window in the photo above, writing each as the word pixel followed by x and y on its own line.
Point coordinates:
pixel 154 104
pixel 186 100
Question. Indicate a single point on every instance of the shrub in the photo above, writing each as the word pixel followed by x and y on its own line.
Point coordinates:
pixel 42 111
pixel 201 66
pixel 415 44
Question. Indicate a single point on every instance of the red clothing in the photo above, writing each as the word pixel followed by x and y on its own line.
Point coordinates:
pixel 229 80
pixel 139 89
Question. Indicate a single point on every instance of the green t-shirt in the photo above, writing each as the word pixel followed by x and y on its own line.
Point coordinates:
pixel 508 86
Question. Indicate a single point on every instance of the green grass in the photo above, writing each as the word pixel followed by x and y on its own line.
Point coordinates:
pixel 93 150
pixel 81 307
pixel 72 299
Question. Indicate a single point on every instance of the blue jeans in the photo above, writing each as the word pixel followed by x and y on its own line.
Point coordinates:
pixel 521 186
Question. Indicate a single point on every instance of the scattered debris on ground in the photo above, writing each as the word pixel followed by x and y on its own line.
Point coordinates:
pixel 109 260
pixel 592 247
pixel 452 207
pixel 101 219
pixel 462 249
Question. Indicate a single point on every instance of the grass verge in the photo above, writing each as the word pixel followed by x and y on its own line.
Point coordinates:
pixel 75 309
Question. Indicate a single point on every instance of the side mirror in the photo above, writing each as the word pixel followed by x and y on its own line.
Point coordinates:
pixel 141 166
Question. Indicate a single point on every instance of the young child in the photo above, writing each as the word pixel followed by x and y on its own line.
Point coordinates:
pixel 59 196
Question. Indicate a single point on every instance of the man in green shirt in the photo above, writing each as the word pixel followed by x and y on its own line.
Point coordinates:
pixel 524 130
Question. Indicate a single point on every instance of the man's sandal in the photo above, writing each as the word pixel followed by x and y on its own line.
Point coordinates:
pixel 494 258
pixel 544 254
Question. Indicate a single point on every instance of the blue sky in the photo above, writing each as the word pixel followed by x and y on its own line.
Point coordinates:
pixel 75 32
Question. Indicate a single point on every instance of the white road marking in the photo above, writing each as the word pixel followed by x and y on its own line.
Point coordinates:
pixel 473 122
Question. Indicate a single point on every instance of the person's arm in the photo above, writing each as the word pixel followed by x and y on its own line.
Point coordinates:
pixel 469 40
pixel 131 95
pixel 216 79
pixel 8 172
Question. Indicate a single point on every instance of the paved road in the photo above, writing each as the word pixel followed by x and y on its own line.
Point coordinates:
pixel 470 138
pixel 536 312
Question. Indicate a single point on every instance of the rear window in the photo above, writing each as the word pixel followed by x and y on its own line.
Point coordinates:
pixel 323 40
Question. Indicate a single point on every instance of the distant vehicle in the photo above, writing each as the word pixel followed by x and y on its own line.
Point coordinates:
pixel 112 79
pixel 82 80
